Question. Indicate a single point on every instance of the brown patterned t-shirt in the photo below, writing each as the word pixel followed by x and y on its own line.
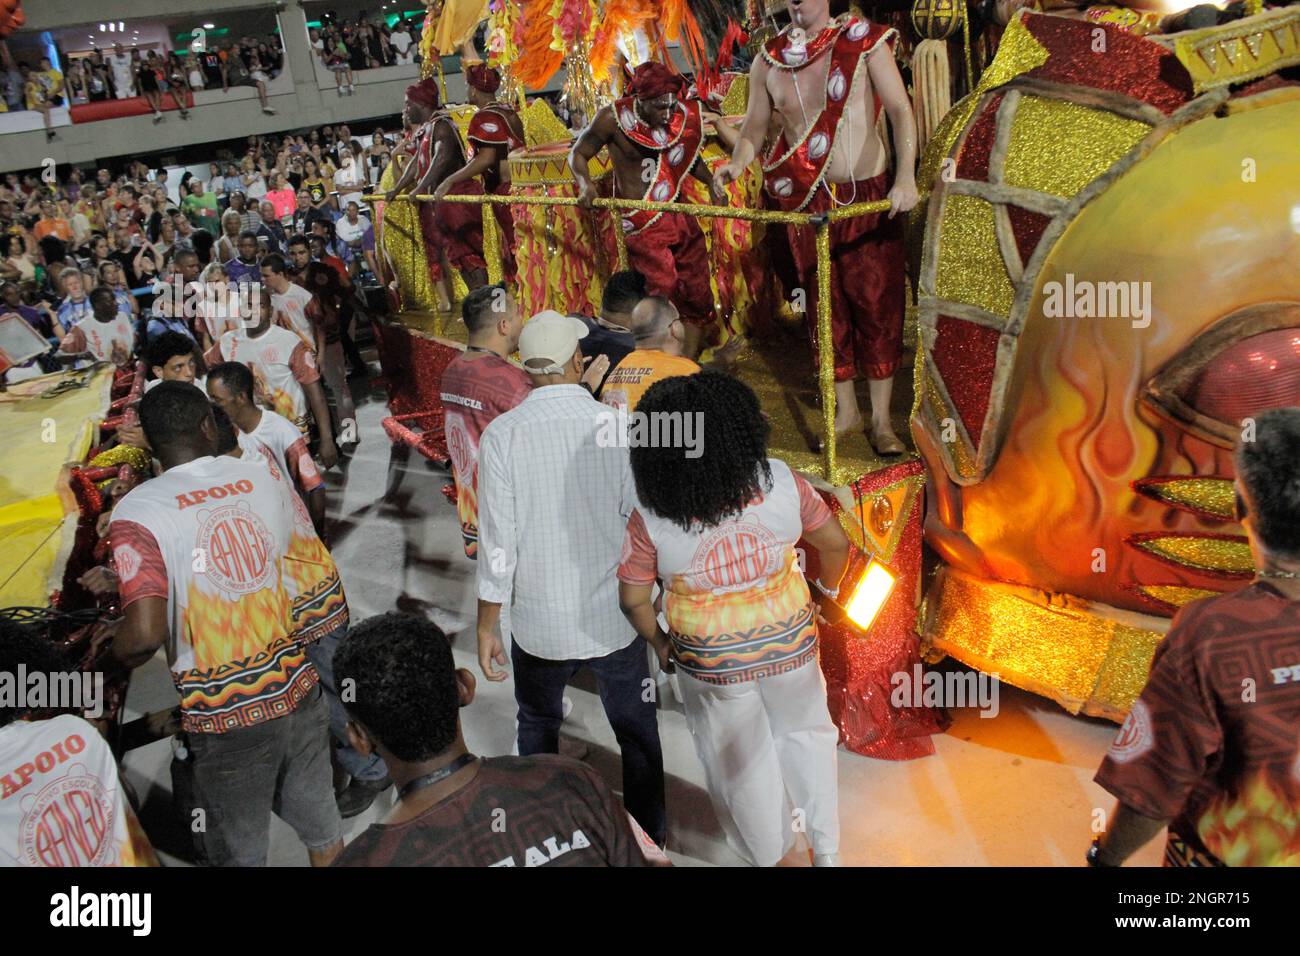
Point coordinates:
pixel 543 810
pixel 1212 743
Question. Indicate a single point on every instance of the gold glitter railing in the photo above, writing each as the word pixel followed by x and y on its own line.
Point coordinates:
pixel 822 223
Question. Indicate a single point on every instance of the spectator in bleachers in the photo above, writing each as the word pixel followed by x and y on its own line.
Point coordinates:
pixel 248 218
pixel 43 89
pixel 314 185
pixel 252 178
pixel 18 264
pixel 350 178
pixel 110 277
pixel 228 241
pixel 184 229
pixel 175 81
pixel 245 266
pixel 147 82
pixel 271 229
pixel 402 43
pixel 76 304
pixel 122 73
pixel 99 85
pixel 75 83
pixel 239 73
pixel 200 206
pixel 231 181
pixel 282 198
pixel 194 72
pixel 219 310
pixel 52 224
pixel 337 58
pixel 356 238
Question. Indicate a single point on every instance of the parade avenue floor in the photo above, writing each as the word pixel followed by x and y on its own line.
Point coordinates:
pixel 1013 790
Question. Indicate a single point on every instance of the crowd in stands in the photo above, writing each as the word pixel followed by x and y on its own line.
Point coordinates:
pixel 346 47
pixel 298 199
pixel 156 76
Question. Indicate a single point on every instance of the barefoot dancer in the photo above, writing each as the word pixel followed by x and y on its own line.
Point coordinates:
pixel 810 77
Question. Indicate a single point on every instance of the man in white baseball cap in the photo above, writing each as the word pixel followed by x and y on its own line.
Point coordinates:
pixel 553 501
pixel 548 348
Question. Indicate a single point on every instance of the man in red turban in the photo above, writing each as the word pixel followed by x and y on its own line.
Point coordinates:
pixel 652 80
pixel 435 146
pixel 654 138
pixel 494 132
pixel 480 76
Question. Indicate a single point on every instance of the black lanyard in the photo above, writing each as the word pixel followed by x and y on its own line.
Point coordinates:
pixel 429 779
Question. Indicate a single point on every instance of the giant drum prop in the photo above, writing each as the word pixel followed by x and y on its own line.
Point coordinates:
pixel 559 260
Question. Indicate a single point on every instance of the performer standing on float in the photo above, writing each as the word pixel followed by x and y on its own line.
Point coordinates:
pixel 494 132
pixel 654 138
pixel 437 153
pixel 810 76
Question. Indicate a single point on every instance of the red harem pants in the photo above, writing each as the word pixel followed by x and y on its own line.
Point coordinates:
pixel 462 225
pixel 868 289
pixel 433 239
pixel 671 254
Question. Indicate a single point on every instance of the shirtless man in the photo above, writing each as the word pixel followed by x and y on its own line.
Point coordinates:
pixel 654 139
pixel 494 132
pixel 435 146
pixel 810 78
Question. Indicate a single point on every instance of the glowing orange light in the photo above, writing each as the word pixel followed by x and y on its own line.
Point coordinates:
pixel 873 589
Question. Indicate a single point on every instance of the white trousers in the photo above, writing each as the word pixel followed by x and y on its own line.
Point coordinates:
pixel 768 749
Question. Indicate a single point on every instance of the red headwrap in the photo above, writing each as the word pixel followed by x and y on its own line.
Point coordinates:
pixel 654 79
pixel 424 93
pixel 483 77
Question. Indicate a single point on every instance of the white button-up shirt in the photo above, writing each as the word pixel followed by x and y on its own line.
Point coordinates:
pixel 552 513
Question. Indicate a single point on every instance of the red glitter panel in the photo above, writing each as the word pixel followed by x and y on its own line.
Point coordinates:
pixel 965 355
pixel 1027 226
pixel 859 668
pixel 1133 66
pixel 973 161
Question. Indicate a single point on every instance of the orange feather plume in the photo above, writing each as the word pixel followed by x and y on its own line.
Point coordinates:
pixel 679 24
pixel 621 16
pixel 537 62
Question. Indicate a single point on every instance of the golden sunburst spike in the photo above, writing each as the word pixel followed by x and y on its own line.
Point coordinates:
pixel 1207 497
pixel 1218 555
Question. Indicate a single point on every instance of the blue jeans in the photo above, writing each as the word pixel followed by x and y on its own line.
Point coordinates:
pixel 367 769
pixel 622 679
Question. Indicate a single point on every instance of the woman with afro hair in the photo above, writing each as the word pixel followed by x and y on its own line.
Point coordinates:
pixel 717 525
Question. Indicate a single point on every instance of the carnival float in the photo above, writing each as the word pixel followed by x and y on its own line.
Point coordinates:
pixel 1103 294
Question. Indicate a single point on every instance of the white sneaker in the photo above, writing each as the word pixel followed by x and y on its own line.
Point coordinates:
pixel 826 859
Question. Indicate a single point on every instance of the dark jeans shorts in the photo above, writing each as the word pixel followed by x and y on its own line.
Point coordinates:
pixel 281 766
